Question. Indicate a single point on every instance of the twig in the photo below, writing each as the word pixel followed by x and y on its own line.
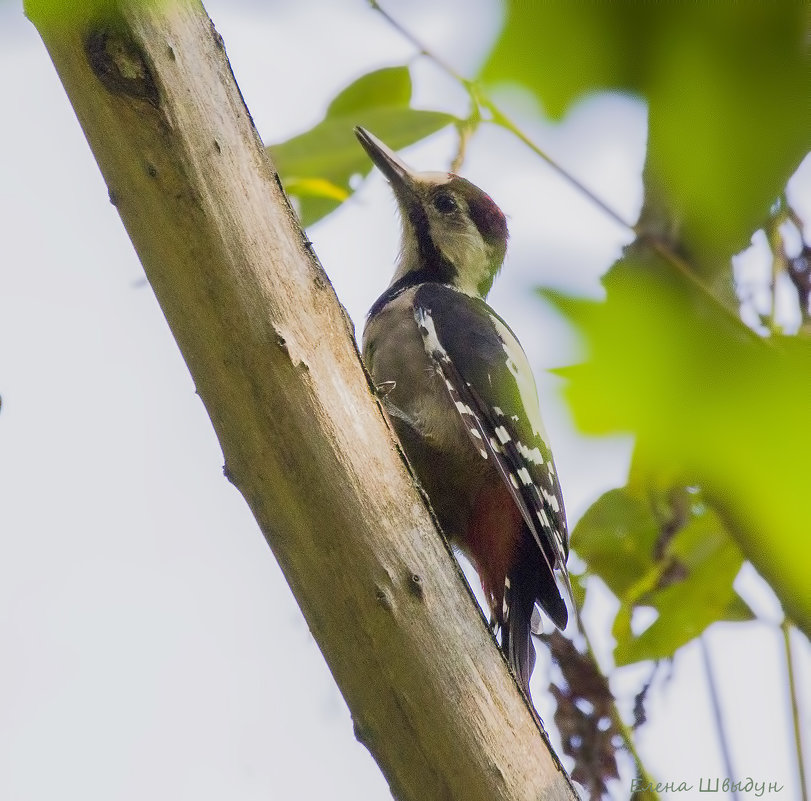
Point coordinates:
pixel 779 260
pixel 795 709
pixel 466 129
pixel 716 711
pixel 500 118
pixel 693 278
pixel 406 34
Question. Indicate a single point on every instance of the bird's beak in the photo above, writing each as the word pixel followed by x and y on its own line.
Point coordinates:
pixel 400 175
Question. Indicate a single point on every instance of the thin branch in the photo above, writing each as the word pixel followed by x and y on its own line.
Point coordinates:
pixel 779 261
pixel 785 626
pixel 685 270
pixel 716 711
pixel 466 129
pixel 406 34
pixel 500 118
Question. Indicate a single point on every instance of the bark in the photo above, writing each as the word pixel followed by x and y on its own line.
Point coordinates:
pixel 274 360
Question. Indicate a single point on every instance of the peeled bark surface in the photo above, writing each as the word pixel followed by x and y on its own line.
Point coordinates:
pixel 274 360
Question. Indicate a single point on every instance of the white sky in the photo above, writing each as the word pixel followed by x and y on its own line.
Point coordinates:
pixel 151 648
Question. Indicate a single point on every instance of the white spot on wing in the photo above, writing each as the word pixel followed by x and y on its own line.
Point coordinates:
pixel 502 434
pixel 435 350
pixel 431 340
pixel 552 500
pixel 530 454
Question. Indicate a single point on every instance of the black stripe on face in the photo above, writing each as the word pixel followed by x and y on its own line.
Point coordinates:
pixel 433 267
pixel 431 259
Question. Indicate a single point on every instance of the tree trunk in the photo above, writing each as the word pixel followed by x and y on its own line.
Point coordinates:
pixel 274 360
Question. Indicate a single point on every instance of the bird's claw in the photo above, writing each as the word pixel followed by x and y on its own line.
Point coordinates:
pixel 385 387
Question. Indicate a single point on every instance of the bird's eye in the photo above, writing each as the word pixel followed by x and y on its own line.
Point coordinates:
pixel 444 203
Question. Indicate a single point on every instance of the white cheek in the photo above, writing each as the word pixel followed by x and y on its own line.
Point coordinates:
pixel 461 248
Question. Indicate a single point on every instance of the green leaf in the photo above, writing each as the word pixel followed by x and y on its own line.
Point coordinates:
pixel 727 86
pixel 329 152
pixel 628 541
pixel 616 537
pixel 316 188
pixel 729 117
pixel 711 559
pixel 711 405
pixel 737 610
pixel 686 577
pixel 390 86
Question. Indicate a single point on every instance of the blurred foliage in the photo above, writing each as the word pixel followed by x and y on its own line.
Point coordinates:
pixel 68 13
pixel 316 167
pixel 727 86
pixel 711 405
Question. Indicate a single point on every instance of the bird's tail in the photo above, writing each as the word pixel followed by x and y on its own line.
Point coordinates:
pixel 516 633
pixel 529 582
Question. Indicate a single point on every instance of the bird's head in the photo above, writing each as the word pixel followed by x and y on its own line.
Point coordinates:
pixel 453 233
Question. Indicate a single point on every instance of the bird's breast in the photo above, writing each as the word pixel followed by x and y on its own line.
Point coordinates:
pixel 428 425
pixel 394 353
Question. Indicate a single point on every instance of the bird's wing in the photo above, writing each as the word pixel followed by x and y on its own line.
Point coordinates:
pixel 490 382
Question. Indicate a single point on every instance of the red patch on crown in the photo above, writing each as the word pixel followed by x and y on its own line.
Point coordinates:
pixel 486 215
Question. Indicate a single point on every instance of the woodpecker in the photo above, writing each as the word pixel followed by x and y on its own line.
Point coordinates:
pixel 461 396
